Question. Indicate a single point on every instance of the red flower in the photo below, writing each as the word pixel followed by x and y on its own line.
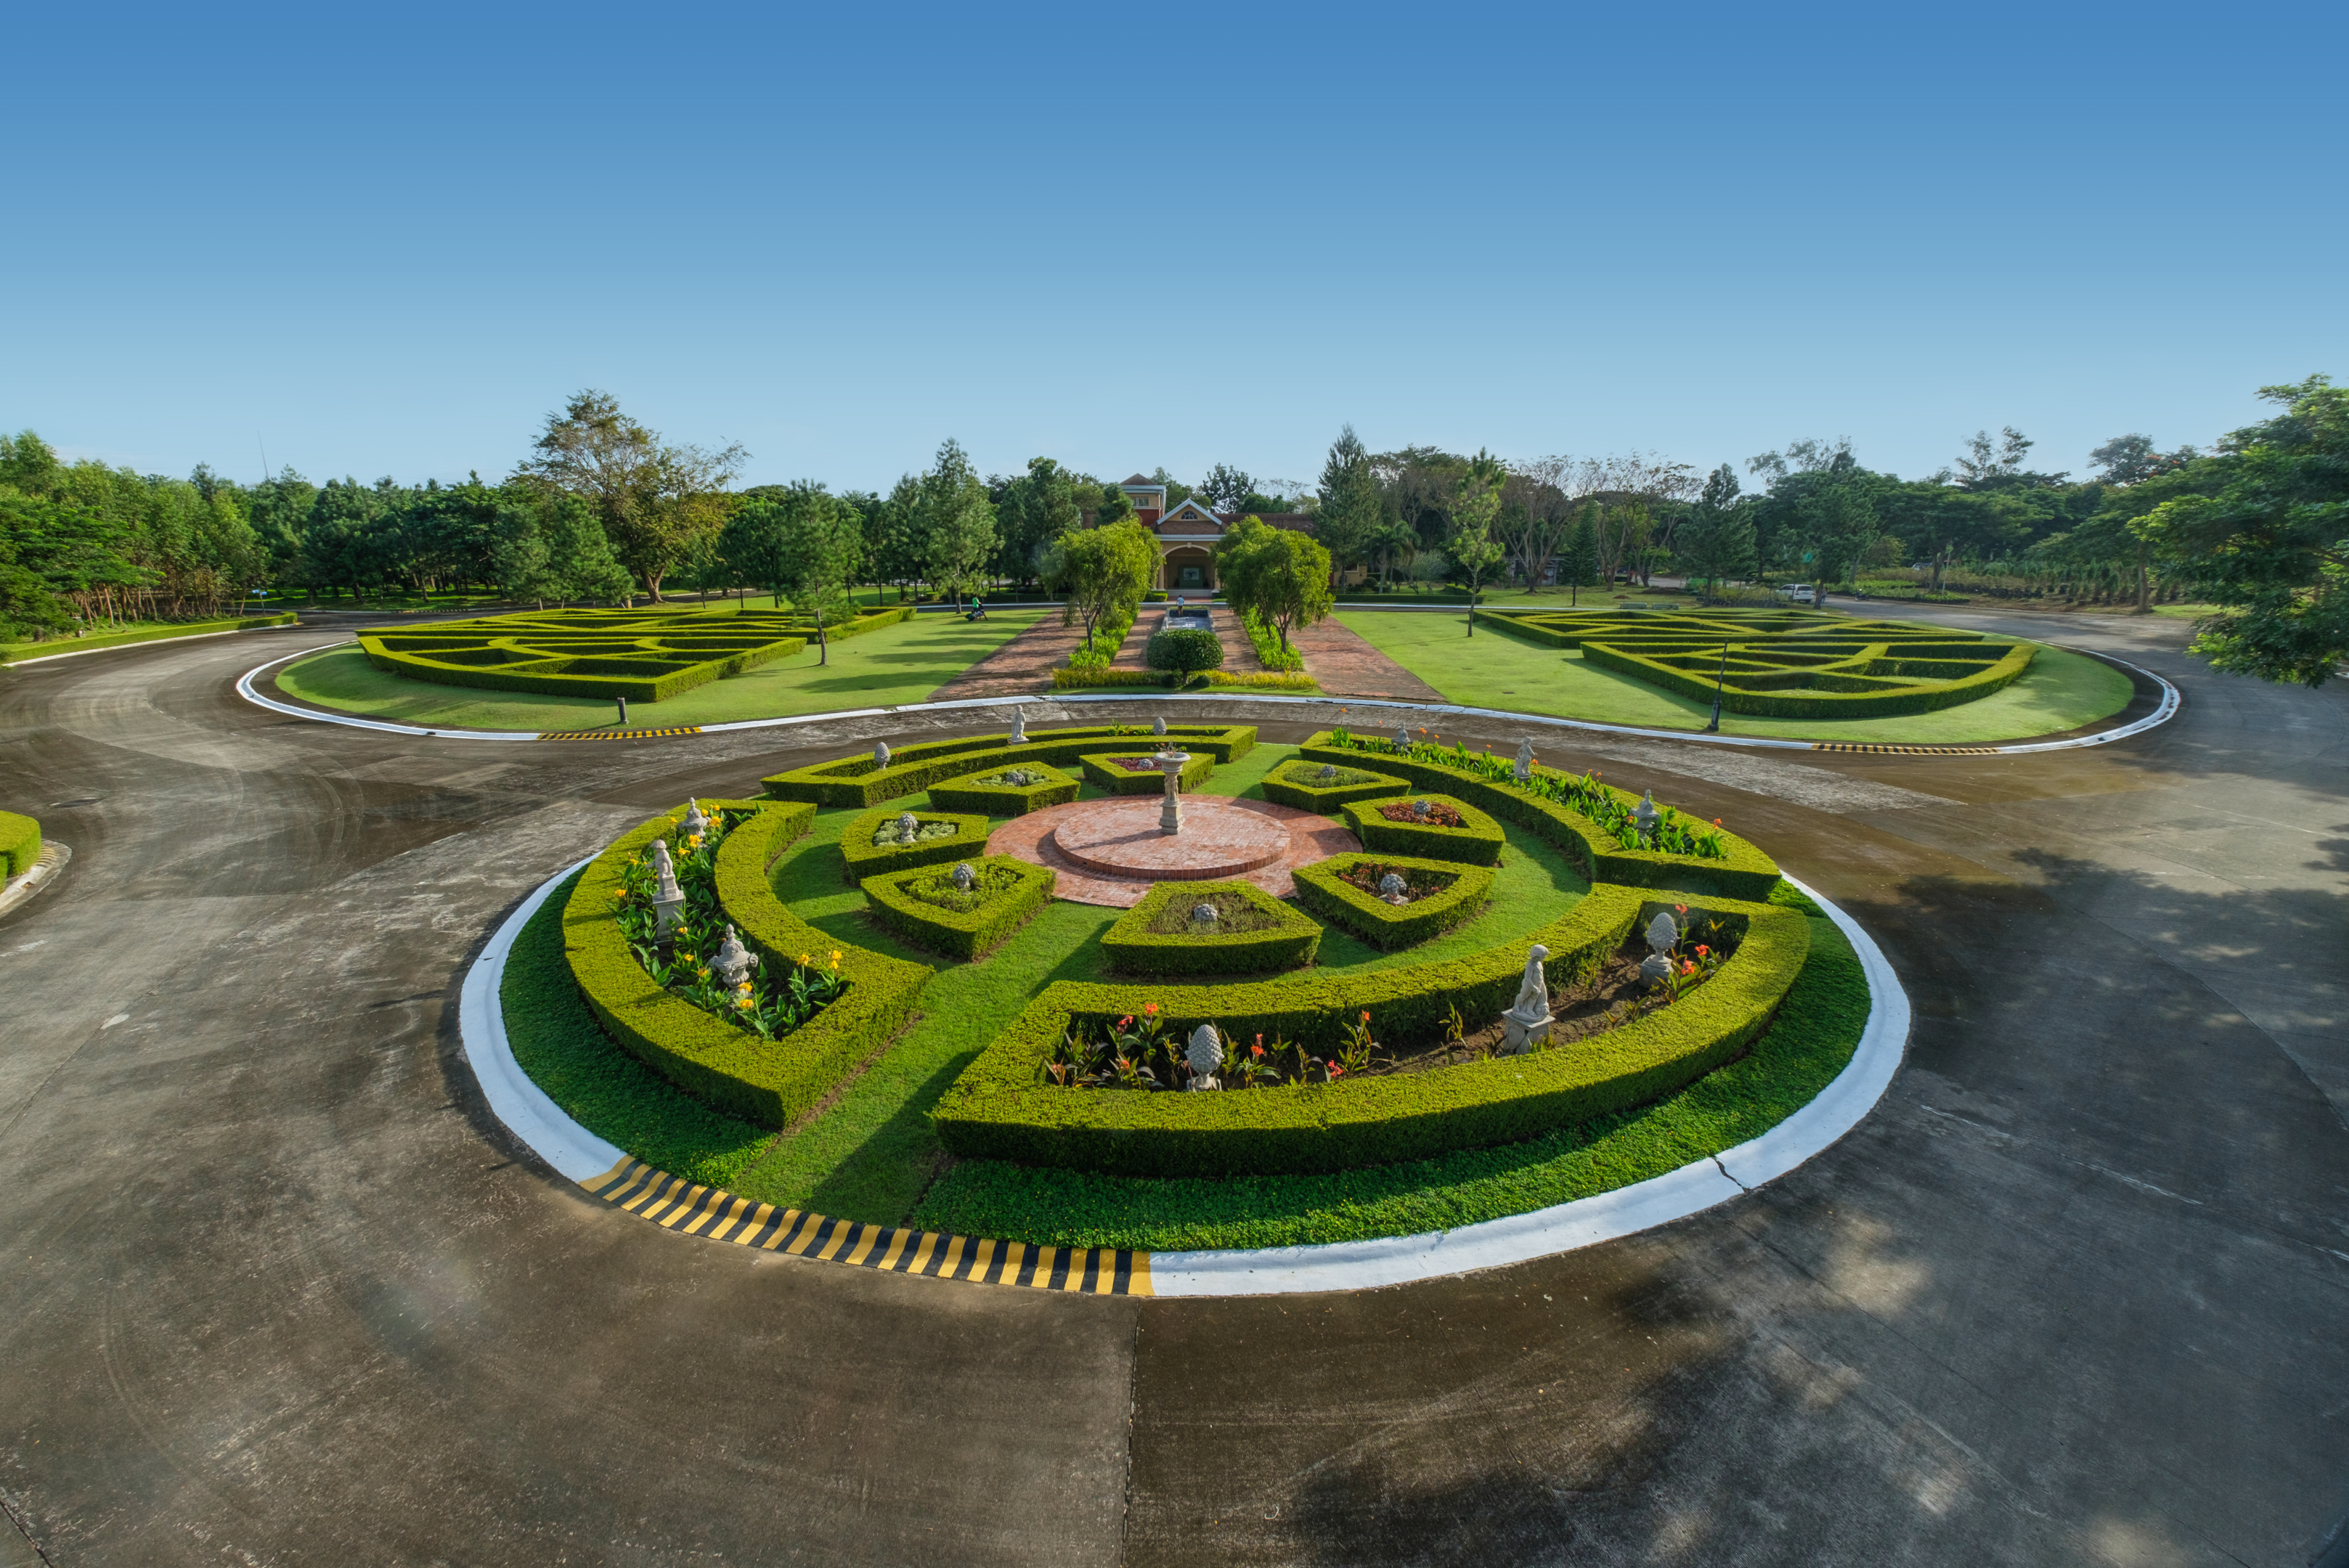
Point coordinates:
pixel 1151 1008
pixel 1686 967
pixel 1336 1071
pixel 1702 951
pixel 1717 822
pixel 1125 1021
pixel 1258 1049
pixel 1366 1014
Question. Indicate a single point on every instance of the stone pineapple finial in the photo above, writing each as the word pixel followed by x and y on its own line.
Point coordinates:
pixel 1206 1054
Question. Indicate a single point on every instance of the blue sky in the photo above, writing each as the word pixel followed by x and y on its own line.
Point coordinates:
pixel 1123 236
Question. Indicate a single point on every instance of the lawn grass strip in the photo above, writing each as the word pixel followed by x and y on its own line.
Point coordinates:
pixel 1476 841
pixel 954 932
pixel 862 858
pixel 862 781
pixel 24 652
pixel 1131 946
pixel 20 843
pixel 1322 892
pixel 999 1111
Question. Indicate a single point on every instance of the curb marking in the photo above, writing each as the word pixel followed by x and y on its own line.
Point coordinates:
pixel 618 734
pixel 1906 750
pixel 674 1203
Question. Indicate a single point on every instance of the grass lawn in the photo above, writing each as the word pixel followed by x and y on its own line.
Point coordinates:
pixel 1494 669
pixel 136 632
pixel 872 1154
pixel 897 665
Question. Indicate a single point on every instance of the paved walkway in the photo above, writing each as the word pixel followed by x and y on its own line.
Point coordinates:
pixel 1025 664
pixel 1346 665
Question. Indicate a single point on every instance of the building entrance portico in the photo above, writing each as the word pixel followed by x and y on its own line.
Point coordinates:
pixel 1188 569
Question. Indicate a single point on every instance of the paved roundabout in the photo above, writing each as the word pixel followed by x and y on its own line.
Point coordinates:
pixel 285 1287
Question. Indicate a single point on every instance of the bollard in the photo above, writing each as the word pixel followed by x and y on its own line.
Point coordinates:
pixel 624 713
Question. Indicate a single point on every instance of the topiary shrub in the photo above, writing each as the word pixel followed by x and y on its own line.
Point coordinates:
pixel 868 846
pixel 999 794
pixel 1183 648
pixel 1475 837
pixel 926 908
pixel 1323 889
pixel 1105 772
pixel 1322 788
pixel 1254 932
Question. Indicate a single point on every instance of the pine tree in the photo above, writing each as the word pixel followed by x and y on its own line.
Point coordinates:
pixel 1578 564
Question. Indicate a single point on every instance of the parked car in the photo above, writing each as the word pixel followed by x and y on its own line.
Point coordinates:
pixel 1794 590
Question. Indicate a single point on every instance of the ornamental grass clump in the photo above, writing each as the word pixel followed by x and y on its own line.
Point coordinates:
pixel 769 1005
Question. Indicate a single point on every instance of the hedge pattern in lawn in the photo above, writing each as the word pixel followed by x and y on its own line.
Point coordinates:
pixel 1476 841
pixel 1105 771
pixel 20 843
pixel 972 792
pixel 1290 940
pixel 1002 1107
pixel 1739 871
pixel 1787 664
pixel 1297 784
pixel 861 857
pixel 1322 891
pixel 1008 891
pixel 862 781
pixel 767 1082
pixel 645 656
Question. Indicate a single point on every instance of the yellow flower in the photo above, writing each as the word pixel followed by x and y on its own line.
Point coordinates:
pixel 697 838
pixel 835 958
pixel 805 957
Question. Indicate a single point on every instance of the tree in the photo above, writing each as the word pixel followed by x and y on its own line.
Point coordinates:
pixel 655 501
pixel 2133 458
pixel 1839 524
pixel 1279 575
pixel 1228 488
pixel 1391 542
pixel 1472 547
pixel 1718 541
pixel 1103 571
pixel 1114 506
pixel 1981 470
pixel 2263 527
pixel 801 543
pixel 953 523
pixel 1578 564
pixel 1349 510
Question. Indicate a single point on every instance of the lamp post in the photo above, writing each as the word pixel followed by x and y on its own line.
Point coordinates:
pixel 1719 677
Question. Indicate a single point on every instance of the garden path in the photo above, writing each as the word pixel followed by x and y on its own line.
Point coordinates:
pixel 1025 664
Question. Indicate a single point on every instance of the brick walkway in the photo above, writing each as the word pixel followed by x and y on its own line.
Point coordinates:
pixel 1348 667
pixel 1024 665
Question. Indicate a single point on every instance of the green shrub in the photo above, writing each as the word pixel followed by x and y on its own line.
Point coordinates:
pixel 20 843
pixel 1012 890
pixel 862 858
pixel 1250 680
pixel 723 1064
pixel 1285 939
pixel 1183 648
pixel 1103 771
pixel 858 781
pixel 645 656
pixel 1000 1109
pixel 973 793
pixel 1477 841
pixel 1321 890
pixel 1294 784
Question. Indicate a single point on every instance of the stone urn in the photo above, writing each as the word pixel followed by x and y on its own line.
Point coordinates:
pixel 733 961
pixel 908 829
pixel 1394 889
pixel 964 877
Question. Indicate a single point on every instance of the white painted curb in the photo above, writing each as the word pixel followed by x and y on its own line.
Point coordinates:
pixel 146 642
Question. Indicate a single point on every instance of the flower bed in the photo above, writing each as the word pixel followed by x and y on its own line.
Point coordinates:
pixel 1559 806
pixel 1439 896
pixel 861 781
pixel 1134 773
pixel 1007 792
pixel 926 907
pixel 1009 1105
pixel 1432 826
pixel 1252 932
pixel 875 842
pixel 1322 787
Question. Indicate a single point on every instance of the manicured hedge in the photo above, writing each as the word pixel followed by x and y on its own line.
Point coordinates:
pixel 947 930
pixel 1746 873
pixel 20 843
pixel 861 857
pixel 1306 797
pixel 965 794
pixel 998 1109
pixel 1881 660
pixel 858 782
pixel 1249 680
pixel 1477 841
pixel 1132 945
pixel 724 1065
pixel 1386 926
pixel 1103 771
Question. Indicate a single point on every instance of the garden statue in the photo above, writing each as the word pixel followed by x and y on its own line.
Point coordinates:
pixel 1206 1054
pixel 880 753
pixel 696 824
pixel 1159 728
pixel 1663 935
pixel 668 899
pixel 1018 727
pixel 1527 1024
pixel 1402 742
pixel 732 965
pixel 964 877
pixel 1643 816
pixel 1526 760
pixel 1203 914
pixel 907 828
pixel 1394 889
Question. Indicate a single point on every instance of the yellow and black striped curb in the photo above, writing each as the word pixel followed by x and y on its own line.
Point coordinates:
pixel 1907 750
pixel 618 734
pixel 711 1212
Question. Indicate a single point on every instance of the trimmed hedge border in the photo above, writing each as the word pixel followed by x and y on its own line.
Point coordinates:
pixel 1326 802
pixel 1131 945
pixel 997 1110
pixel 1006 799
pixel 2009 669
pixel 20 844
pixel 861 857
pixel 1747 873
pixel 1388 927
pixel 954 934
pixel 1101 772
pixel 856 781
pixel 1478 844
pixel 723 1064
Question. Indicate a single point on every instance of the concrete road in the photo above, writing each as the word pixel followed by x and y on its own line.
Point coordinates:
pixel 278 1291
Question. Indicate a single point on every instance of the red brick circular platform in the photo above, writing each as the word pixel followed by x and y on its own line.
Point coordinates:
pixel 1123 852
